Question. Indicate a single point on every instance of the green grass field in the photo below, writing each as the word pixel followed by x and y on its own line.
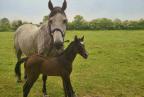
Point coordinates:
pixel 115 67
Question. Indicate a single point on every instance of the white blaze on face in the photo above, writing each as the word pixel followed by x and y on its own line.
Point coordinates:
pixel 82 42
pixel 57 36
pixel 57 23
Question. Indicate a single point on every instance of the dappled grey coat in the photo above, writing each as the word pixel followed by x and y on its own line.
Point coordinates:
pixel 31 39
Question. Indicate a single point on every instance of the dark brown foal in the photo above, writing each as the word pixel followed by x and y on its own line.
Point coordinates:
pixel 57 66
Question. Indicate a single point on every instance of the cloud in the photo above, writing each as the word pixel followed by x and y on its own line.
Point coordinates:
pixel 34 10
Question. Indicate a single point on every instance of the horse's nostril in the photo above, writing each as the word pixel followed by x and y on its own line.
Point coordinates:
pixel 58 45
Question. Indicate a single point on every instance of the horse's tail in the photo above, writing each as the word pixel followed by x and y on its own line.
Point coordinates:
pixel 18 65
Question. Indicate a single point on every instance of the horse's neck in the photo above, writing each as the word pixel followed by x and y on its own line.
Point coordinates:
pixel 43 39
pixel 69 54
pixel 42 32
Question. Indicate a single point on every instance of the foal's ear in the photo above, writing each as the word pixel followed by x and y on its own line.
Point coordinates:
pixel 82 39
pixel 64 6
pixel 50 5
pixel 75 39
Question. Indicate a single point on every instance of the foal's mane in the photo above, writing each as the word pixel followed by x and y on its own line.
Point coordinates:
pixel 69 47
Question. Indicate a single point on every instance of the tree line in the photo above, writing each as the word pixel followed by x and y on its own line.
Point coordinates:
pixel 79 23
pixel 6 25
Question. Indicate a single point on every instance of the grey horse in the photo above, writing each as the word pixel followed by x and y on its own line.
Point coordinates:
pixel 47 40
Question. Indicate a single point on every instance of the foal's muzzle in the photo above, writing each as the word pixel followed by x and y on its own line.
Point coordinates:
pixel 85 55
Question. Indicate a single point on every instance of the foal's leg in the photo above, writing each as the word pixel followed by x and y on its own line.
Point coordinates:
pixel 44 78
pixel 68 87
pixel 25 76
pixel 64 86
pixel 28 85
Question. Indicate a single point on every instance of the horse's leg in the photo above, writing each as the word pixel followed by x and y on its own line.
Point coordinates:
pixel 44 78
pixel 18 54
pixel 28 85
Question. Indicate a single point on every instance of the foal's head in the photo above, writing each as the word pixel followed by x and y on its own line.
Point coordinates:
pixel 79 46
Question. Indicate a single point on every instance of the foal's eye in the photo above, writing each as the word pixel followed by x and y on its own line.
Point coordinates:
pixel 65 21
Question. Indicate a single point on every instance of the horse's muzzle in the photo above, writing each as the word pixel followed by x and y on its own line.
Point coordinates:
pixel 58 45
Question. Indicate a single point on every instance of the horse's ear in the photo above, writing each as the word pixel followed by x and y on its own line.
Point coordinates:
pixel 64 5
pixel 75 39
pixel 50 5
pixel 82 39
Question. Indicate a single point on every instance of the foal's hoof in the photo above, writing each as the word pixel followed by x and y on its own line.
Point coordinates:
pixel 75 95
pixel 19 81
pixel 46 96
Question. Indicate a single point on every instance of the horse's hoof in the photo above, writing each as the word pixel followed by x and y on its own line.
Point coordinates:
pixel 46 96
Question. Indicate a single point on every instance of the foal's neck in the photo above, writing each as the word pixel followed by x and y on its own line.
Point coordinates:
pixel 70 53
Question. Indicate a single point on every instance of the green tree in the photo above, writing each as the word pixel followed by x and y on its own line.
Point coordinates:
pixel 117 24
pixel 79 23
pixel 15 24
pixel 101 24
pixel 140 24
pixel 4 24
pixel 71 26
pixel 45 18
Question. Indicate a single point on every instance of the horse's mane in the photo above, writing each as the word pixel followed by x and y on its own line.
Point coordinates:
pixel 45 40
pixel 55 11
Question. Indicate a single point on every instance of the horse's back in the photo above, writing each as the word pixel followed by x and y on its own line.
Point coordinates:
pixel 24 38
pixel 26 29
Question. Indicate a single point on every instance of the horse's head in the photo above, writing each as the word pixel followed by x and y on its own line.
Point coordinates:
pixel 80 47
pixel 57 23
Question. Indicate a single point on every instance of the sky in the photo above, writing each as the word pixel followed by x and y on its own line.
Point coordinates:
pixel 34 10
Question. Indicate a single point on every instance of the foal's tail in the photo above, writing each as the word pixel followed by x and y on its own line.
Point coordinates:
pixel 17 66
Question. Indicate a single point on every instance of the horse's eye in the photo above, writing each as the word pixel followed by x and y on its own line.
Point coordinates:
pixel 65 21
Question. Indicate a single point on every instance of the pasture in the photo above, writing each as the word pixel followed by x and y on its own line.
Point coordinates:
pixel 115 67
